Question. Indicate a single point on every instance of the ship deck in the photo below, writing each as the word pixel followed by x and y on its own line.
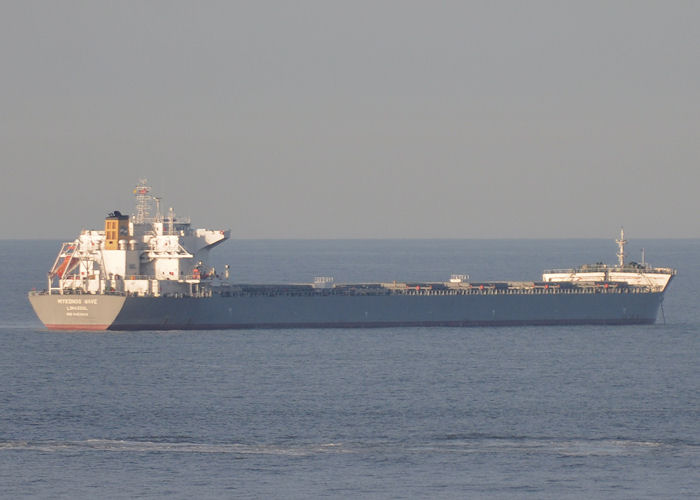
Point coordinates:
pixel 433 289
pixel 382 289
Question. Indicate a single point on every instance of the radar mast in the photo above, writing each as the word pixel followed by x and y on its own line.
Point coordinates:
pixel 143 201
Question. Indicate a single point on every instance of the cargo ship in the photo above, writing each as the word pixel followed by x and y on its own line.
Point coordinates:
pixel 150 271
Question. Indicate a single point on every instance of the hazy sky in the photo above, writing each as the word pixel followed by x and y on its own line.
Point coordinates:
pixel 377 119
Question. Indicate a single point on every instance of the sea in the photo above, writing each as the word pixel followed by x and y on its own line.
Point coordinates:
pixel 553 412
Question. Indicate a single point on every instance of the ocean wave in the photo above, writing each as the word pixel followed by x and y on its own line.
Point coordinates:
pixel 175 446
pixel 574 446
pixel 460 444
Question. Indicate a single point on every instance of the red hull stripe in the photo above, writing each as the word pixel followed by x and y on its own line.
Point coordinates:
pixel 380 324
pixel 77 327
pixel 247 326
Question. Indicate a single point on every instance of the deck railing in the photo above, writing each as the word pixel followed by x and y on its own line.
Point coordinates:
pixel 604 268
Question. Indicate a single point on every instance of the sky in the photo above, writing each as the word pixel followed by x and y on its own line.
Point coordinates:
pixel 354 119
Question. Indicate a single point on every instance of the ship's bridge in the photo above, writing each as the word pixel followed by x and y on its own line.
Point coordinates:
pixel 140 248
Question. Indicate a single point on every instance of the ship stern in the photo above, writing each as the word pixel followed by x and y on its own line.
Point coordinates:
pixel 76 311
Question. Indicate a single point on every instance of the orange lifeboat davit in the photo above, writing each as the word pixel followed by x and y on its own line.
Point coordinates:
pixel 66 266
pixel 69 262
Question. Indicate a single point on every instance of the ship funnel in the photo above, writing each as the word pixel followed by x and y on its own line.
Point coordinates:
pixel 116 229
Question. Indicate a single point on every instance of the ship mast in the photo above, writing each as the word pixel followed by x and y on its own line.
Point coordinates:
pixel 143 201
pixel 621 248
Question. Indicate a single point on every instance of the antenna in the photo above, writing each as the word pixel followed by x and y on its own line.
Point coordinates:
pixel 157 200
pixel 172 218
pixel 621 248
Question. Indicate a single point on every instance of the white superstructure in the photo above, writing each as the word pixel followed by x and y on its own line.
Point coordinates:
pixel 631 273
pixel 141 255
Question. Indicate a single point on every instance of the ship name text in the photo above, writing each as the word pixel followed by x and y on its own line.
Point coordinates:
pixel 77 301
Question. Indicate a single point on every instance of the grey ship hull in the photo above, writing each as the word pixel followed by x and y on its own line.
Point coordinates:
pixel 116 312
